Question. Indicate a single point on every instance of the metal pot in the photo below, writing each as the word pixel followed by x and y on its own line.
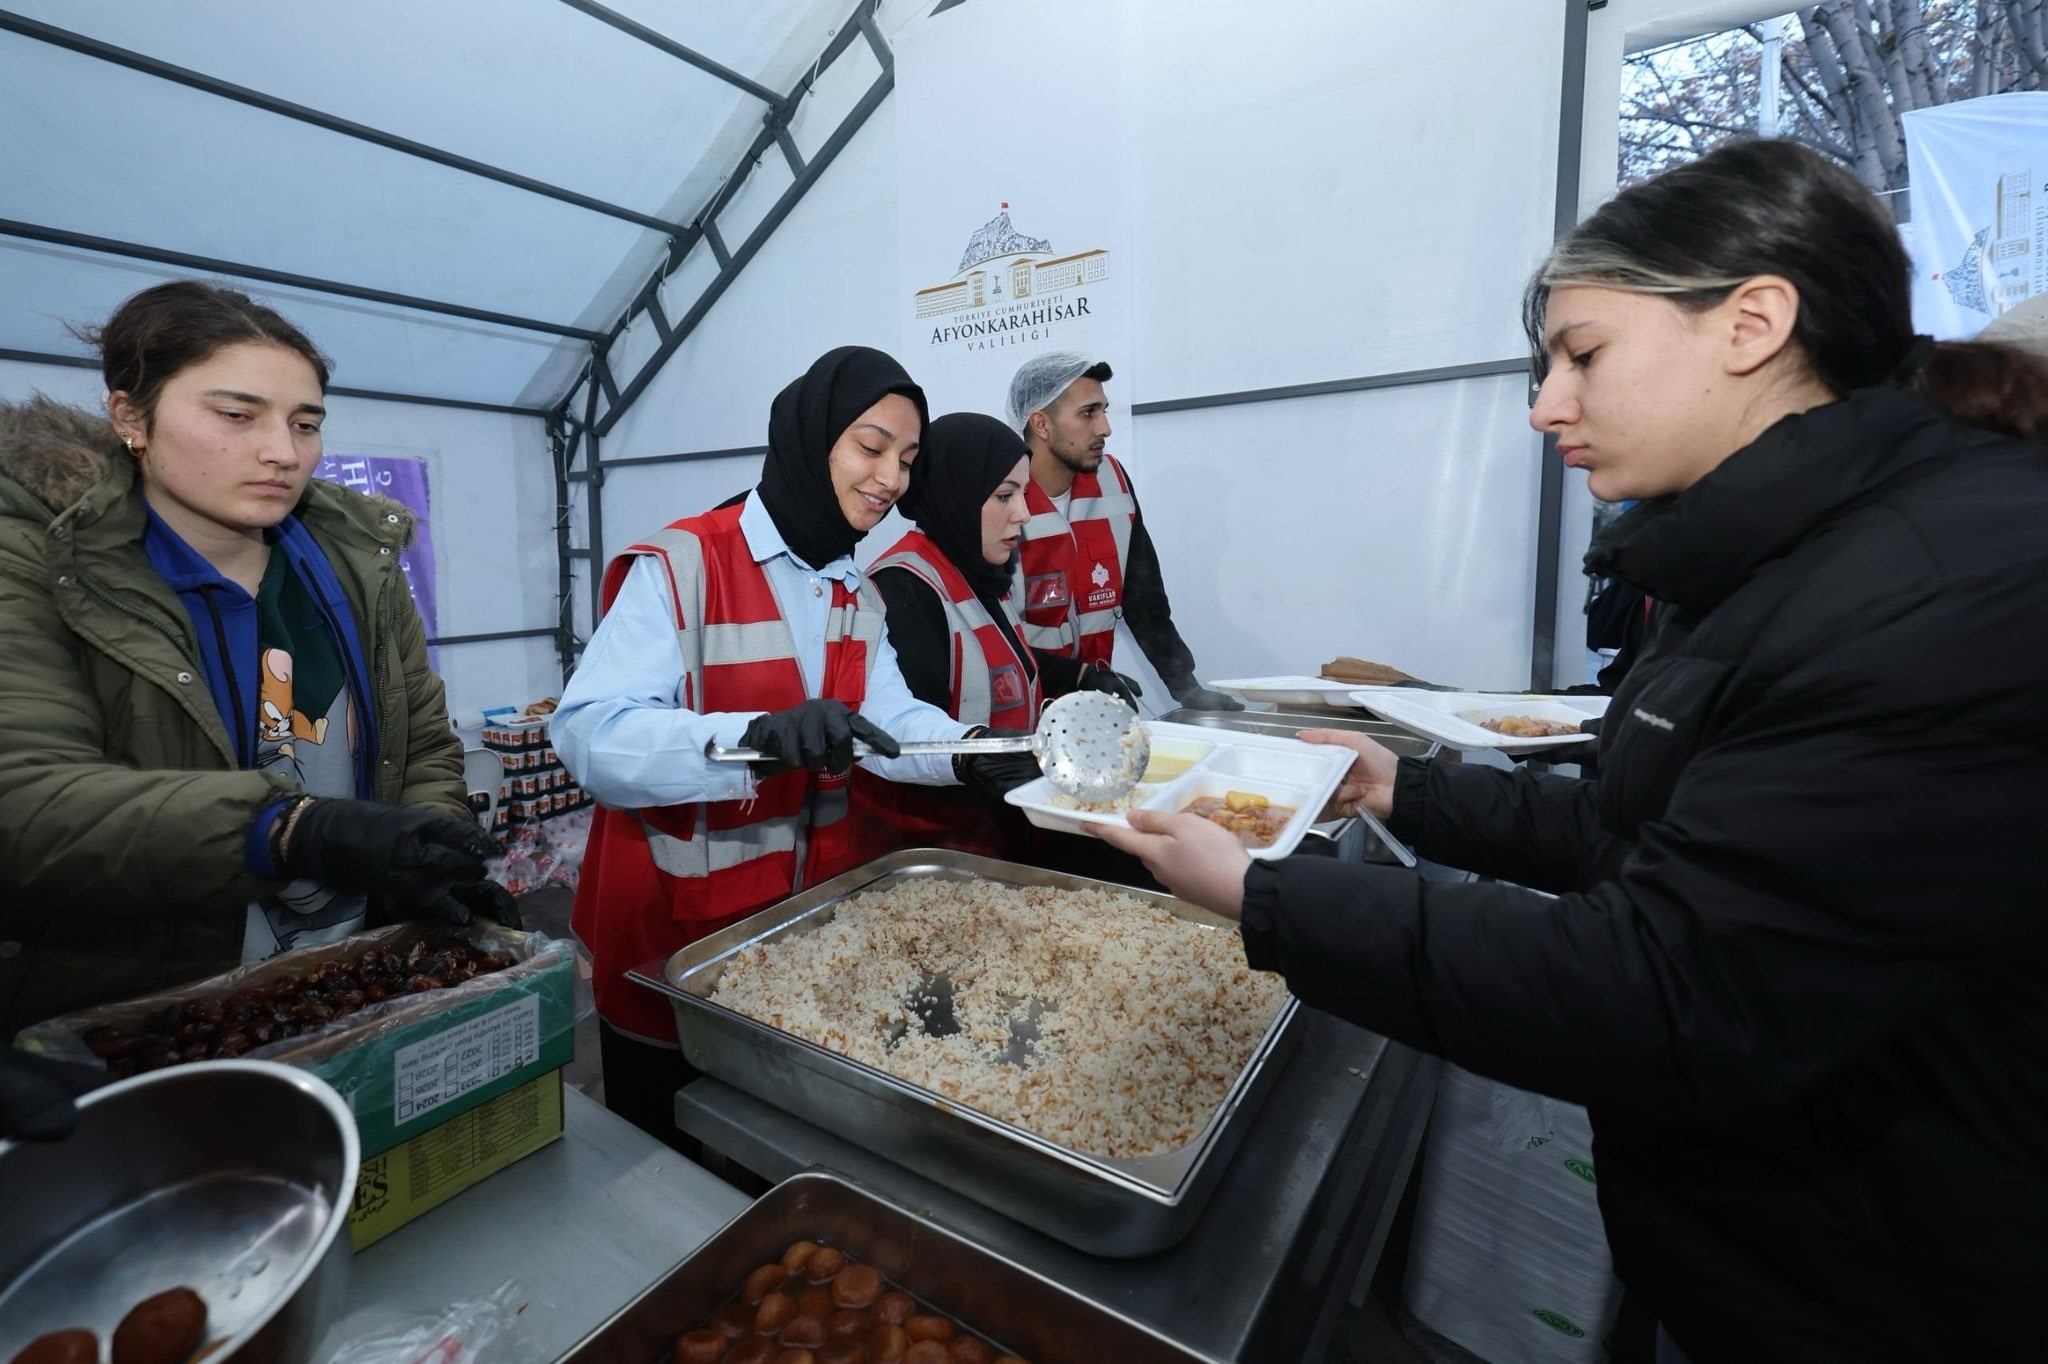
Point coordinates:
pixel 231 1178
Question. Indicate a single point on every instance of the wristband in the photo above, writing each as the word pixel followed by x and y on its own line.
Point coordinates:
pixel 282 840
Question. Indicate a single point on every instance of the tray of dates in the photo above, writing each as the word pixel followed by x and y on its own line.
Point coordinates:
pixel 820 1271
pixel 301 1005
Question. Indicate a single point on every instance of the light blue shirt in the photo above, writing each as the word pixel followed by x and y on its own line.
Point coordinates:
pixel 622 729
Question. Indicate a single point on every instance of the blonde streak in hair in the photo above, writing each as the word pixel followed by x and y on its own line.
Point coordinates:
pixel 1585 263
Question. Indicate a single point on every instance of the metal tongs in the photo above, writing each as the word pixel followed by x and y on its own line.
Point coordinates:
pixel 1092 747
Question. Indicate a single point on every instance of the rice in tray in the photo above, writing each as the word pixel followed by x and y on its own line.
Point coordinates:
pixel 1147 1020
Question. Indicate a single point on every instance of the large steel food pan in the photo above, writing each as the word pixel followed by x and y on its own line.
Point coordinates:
pixel 1098 1204
pixel 991 1295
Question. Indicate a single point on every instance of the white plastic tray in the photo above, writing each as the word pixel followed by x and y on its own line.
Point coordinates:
pixel 1287 691
pixel 1449 716
pixel 1285 771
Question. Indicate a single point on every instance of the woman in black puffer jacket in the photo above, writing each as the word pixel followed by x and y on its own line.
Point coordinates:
pixel 1798 964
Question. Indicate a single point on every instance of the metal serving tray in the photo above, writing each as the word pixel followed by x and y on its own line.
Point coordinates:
pixel 1094 1203
pixel 1289 724
pixel 991 1295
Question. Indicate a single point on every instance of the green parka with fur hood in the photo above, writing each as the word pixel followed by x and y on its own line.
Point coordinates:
pixel 124 820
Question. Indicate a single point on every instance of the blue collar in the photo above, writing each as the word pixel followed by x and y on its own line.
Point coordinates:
pixel 225 631
pixel 184 568
pixel 765 542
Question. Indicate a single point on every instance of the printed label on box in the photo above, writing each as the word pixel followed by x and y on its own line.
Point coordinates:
pixel 448 1065
pixel 400 1184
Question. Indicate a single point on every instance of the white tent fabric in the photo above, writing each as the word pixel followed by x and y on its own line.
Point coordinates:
pixel 554 90
pixel 535 87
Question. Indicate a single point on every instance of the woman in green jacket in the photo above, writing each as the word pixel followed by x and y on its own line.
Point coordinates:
pixel 219 738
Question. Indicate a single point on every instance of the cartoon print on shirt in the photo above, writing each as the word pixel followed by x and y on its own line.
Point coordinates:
pixel 295 742
pixel 278 722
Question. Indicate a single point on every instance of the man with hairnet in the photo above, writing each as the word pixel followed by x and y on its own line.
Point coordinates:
pixel 1086 560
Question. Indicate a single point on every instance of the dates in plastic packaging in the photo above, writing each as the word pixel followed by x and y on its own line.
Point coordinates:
pixel 284 1008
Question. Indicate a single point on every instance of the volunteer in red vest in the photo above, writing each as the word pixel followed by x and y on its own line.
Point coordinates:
pixel 748 625
pixel 958 638
pixel 1087 560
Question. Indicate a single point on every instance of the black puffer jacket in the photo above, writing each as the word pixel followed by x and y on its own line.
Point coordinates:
pixel 1798 966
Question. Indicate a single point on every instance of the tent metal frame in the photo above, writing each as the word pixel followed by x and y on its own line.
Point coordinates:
pixel 558 426
pixel 1571 125
pixel 85 45
pixel 186 260
pixel 654 38
pixel 11 22
pixel 597 376
pixel 38 357
pixel 1363 383
pixel 570 438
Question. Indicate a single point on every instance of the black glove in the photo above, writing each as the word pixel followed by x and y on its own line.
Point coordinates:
pixel 1201 698
pixel 407 853
pixel 36 1095
pixel 1098 677
pixel 466 901
pixel 996 773
pixel 816 736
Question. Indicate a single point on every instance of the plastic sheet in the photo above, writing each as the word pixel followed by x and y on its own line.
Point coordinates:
pixel 529 953
pixel 1508 1261
pixel 547 854
pixel 495 1328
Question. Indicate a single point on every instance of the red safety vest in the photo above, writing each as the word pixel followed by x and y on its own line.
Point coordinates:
pixel 992 684
pixel 656 880
pixel 1070 573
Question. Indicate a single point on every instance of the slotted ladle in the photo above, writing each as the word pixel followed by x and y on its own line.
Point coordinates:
pixel 1091 746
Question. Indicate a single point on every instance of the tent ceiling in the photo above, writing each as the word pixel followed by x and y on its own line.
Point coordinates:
pixel 539 88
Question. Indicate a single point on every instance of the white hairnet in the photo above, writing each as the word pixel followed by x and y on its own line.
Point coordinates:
pixel 1040 380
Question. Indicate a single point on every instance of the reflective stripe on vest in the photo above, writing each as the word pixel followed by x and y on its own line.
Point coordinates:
pixel 739 654
pixel 1049 561
pixel 979 646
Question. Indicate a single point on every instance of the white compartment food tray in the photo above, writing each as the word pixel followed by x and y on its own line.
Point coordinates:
pixel 1293 690
pixel 1286 771
pixel 1448 716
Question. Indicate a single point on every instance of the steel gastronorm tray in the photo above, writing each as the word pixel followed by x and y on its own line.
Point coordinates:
pixel 1099 1204
pixel 991 1294
pixel 1289 723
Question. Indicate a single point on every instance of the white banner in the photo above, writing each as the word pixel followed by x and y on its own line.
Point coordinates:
pixel 1979 233
pixel 1014 217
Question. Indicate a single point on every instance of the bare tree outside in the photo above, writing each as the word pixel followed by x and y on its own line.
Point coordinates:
pixel 1847 70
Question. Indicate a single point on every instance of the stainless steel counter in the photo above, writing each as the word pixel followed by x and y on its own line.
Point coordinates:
pixel 584 1226
pixel 1298 1217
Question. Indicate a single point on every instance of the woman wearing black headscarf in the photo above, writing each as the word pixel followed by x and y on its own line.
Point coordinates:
pixel 748 625
pixel 956 633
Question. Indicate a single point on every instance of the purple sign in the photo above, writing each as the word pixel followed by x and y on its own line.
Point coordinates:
pixel 403 479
